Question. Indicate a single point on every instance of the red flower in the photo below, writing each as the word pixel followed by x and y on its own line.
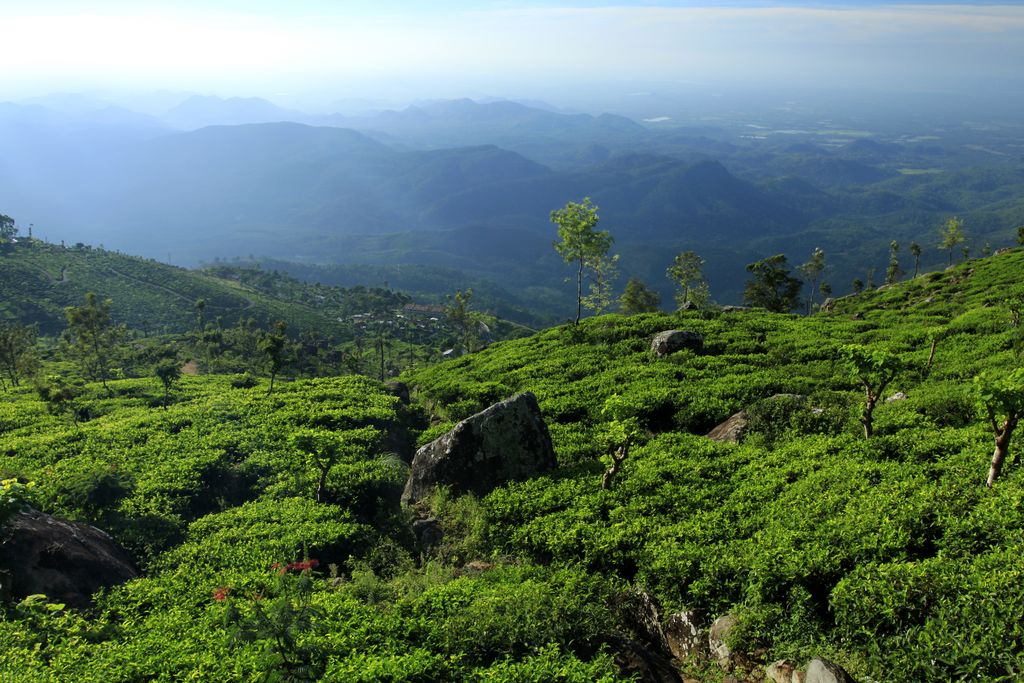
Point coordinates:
pixel 304 566
pixel 221 594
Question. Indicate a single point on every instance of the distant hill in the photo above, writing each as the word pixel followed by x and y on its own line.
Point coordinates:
pixel 40 280
pixel 199 111
pixel 550 137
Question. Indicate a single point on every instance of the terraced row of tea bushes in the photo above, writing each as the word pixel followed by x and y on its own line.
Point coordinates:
pixel 887 554
pixel 248 577
pixel 143 473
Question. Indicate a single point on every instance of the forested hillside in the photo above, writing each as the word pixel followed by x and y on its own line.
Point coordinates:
pixel 844 515
pixel 465 188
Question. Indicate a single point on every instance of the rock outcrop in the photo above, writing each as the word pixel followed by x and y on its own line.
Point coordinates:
pixel 732 430
pixel 716 640
pixel 670 341
pixel 66 561
pixel 507 441
pixel 685 634
pixel 823 671
pixel 781 671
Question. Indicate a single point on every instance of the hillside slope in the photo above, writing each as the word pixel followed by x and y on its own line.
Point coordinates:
pixel 38 280
pixel 885 554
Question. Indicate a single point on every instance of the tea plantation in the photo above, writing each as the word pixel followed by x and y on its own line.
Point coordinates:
pixel 272 545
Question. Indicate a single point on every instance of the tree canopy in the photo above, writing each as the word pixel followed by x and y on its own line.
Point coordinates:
pixel 771 286
pixel 580 243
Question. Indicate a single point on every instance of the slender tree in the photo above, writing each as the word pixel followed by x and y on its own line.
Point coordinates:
pixel 18 357
pixel 1003 399
pixel 874 369
pixel 463 318
pixel 687 271
pixel 620 432
pixel 951 235
pixel 168 371
pixel 273 346
pixel 92 338
pixel 200 309
pixel 915 251
pixel 811 271
pixel 603 273
pixel 1020 236
pixel 579 242
pixel 323 449
pixel 893 272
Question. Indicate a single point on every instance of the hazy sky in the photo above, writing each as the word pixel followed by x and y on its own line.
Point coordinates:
pixel 285 49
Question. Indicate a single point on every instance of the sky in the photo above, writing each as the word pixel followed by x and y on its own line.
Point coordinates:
pixel 287 50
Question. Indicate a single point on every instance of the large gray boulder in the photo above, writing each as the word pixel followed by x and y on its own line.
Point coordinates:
pixel 670 341
pixel 66 561
pixel 505 442
pixel 823 671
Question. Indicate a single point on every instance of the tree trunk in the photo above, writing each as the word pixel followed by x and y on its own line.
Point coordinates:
pixel 866 419
pixel 321 486
pixel 999 454
pixel 618 456
pixel 931 358
pixel 579 293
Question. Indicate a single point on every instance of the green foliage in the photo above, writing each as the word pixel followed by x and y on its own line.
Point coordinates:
pixel 771 286
pixel 272 346
pixel 466 321
pixel 581 244
pixel 951 235
pixel 637 298
pixel 14 496
pixel 278 622
pixel 812 271
pixel 168 371
pixel 874 369
pixel 1002 394
pixel 893 272
pixel 687 272
pixel 7 228
pixel 18 357
pixel 464 526
pixel 886 554
pixel 92 338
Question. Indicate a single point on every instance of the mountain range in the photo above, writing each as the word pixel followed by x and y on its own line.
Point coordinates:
pixel 470 185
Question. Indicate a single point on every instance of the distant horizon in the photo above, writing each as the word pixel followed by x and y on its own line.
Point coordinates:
pixel 396 54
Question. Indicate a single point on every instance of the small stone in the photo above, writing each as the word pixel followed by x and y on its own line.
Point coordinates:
pixel 780 672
